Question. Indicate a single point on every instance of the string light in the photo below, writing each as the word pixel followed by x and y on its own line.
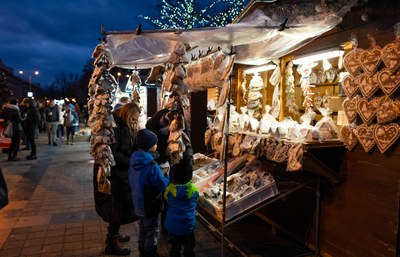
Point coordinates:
pixel 193 14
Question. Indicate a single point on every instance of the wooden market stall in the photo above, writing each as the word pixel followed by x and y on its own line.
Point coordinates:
pixel 317 198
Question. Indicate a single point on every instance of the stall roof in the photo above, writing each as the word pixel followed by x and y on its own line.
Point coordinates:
pixel 263 32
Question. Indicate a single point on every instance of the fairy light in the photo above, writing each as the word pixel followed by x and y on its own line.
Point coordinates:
pixel 193 14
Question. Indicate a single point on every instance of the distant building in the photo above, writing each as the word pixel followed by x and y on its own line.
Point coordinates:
pixel 18 86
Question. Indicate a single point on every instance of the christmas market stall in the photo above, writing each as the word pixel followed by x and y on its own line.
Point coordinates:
pixel 288 110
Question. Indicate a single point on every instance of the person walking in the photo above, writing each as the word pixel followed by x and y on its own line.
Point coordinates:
pixel 52 119
pixel 60 127
pixel 147 183
pixel 117 208
pixel 30 126
pixel 71 122
pixel 12 114
pixel 180 220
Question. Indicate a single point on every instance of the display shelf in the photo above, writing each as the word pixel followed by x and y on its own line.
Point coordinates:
pixel 214 220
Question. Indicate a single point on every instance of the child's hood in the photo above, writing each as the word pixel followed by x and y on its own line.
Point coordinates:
pixel 141 158
pixel 185 191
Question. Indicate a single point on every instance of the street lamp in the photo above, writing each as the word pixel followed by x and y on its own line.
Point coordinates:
pixel 36 73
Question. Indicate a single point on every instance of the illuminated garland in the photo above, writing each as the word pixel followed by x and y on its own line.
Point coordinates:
pixel 194 14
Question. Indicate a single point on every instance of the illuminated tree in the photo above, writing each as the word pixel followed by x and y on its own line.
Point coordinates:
pixel 195 14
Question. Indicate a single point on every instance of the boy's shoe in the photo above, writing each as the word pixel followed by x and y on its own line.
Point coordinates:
pixel 124 238
pixel 54 143
pixel 31 157
pixel 115 248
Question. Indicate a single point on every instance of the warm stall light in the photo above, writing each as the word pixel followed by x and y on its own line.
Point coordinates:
pixel 318 57
pixel 260 68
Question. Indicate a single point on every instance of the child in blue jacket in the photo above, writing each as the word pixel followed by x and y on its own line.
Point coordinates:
pixel 147 184
pixel 180 220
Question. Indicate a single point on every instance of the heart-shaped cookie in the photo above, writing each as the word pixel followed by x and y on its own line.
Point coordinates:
pixel 389 83
pixel 350 108
pixel 370 60
pixel 350 86
pixel 386 135
pixel 365 135
pixel 349 137
pixel 390 55
pixel 368 85
pixel 367 110
pixel 388 110
pixel 351 61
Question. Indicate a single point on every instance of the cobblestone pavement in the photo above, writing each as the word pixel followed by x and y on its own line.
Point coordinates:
pixel 51 210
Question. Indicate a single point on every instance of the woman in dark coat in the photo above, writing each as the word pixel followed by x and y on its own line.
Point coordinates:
pixel 117 208
pixel 30 125
pixel 12 113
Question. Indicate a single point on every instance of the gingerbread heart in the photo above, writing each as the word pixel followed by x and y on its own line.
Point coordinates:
pixel 386 135
pixel 350 86
pixel 391 56
pixel 367 110
pixel 370 60
pixel 349 137
pixel 351 61
pixel 388 110
pixel 350 108
pixel 365 135
pixel 368 85
pixel 388 83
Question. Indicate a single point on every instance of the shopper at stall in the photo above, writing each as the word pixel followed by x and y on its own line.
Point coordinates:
pixel 159 124
pixel 70 122
pixel 117 208
pixel 180 220
pixel 12 114
pixel 147 183
pixel 52 119
pixel 30 126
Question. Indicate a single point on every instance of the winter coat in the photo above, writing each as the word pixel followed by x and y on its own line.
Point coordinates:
pixel 147 183
pixel 184 169
pixel 71 121
pixel 32 119
pixel 54 116
pixel 181 211
pixel 11 113
pixel 117 207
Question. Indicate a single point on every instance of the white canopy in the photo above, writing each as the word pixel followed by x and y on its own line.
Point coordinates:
pixel 268 33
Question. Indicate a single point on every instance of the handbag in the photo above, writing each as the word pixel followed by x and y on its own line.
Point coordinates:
pixel 3 191
pixel 8 130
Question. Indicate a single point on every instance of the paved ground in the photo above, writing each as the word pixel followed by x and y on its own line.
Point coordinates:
pixel 51 210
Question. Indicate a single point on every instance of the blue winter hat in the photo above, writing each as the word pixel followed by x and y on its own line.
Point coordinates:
pixel 146 139
pixel 71 106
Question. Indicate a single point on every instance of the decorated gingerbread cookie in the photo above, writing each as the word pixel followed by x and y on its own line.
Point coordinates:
pixel 391 55
pixel 350 86
pixel 349 137
pixel 370 60
pixel 365 135
pixel 368 85
pixel 350 108
pixel 351 61
pixel 388 110
pixel 389 82
pixel 386 135
pixel 367 109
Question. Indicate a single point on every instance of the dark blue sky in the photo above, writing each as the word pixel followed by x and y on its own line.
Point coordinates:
pixel 53 36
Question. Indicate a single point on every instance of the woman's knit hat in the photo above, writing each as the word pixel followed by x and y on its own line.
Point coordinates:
pixel 146 139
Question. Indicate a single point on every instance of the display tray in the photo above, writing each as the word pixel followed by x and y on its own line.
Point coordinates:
pixel 246 202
